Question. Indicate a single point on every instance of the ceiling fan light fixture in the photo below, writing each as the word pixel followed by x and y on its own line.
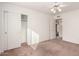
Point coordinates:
pixel 52 9
pixel 59 9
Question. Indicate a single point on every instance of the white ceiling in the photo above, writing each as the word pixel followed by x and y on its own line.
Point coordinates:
pixel 46 6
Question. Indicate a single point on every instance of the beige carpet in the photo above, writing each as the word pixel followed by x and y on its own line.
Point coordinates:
pixel 47 48
pixel 57 48
pixel 21 51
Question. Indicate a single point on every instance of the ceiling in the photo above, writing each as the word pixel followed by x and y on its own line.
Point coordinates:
pixel 46 6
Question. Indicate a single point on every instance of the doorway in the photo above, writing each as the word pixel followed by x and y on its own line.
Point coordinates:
pixel 24 27
pixel 58 27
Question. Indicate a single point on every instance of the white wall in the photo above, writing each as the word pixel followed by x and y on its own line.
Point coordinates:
pixel 24 31
pixel 71 26
pixel 38 23
pixel 52 27
pixel 0 31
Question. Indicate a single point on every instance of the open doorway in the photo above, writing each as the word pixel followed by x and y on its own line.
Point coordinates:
pixel 24 27
pixel 59 27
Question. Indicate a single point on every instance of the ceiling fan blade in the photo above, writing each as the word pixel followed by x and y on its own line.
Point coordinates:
pixel 62 5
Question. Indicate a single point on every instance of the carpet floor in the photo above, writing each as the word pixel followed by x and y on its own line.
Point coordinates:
pixel 47 48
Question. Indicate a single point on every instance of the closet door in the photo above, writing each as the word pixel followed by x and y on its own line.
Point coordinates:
pixel 14 30
pixel 5 29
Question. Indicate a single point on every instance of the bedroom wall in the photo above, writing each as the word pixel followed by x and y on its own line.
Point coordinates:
pixel 71 26
pixel 38 26
pixel 0 31
pixel 52 28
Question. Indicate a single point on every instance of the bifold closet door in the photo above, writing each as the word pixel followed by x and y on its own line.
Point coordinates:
pixel 14 30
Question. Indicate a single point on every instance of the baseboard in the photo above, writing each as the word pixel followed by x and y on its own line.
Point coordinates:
pixel 24 44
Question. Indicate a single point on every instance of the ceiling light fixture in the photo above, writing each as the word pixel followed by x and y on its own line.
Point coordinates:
pixel 57 7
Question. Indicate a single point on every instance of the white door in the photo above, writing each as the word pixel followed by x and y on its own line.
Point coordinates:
pixel 4 30
pixel 11 30
pixel 14 30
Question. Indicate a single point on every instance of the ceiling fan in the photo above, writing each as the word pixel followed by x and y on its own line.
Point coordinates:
pixel 57 7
